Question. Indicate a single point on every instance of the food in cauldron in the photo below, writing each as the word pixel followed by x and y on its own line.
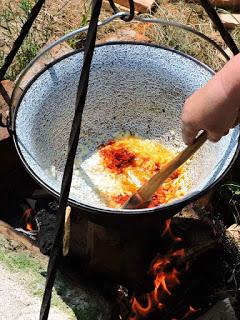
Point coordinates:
pixel 120 166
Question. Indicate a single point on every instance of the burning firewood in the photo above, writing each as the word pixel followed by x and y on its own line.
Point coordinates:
pixel 186 240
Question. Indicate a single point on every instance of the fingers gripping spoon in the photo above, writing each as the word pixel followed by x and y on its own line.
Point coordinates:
pixel 142 197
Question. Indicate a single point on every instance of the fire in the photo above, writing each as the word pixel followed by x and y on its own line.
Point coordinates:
pixel 29 227
pixel 178 253
pixel 164 281
pixel 27 218
pixel 167 230
pixel 166 278
pixel 190 312
pixel 138 308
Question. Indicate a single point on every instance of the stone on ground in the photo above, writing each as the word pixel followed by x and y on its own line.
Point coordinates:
pixel 230 21
pixel 141 6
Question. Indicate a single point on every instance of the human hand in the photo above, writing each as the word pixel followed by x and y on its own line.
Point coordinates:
pixel 215 107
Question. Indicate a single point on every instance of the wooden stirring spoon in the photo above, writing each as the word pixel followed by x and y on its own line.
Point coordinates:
pixel 142 197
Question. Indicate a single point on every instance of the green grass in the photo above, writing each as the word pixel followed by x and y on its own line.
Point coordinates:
pixel 29 271
pixel 21 261
pixel 10 25
pixel 52 23
pixel 12 17
pixel 25 5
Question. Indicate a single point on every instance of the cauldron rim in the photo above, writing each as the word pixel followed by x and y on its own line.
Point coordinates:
pixel 168 209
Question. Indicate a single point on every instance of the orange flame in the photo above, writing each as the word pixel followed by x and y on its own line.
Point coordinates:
pixel 138 308
pixel 190 312
pixel 27 217
pixel 178 253
pixel 29 227
pixel 164 280
pixel 167 230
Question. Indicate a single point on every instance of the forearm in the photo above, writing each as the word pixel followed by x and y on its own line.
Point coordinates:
pixel 214 107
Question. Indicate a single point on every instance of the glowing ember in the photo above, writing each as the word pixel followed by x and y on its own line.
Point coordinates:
pixel 27 216
pixel 178 253
pixel 29 227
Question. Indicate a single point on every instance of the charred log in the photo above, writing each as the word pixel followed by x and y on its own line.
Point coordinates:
pixel 46 221
pixel 124 255
pixel 9 233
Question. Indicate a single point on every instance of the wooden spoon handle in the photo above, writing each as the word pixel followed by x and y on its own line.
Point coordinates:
pixel 144 193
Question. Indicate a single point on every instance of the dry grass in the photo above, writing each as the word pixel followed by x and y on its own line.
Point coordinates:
pixel 194 16
pixel 58 18
pixel 236 36
pixel 53 21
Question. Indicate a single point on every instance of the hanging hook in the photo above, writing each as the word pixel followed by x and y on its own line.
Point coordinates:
pixel 128 17
pixel 131 12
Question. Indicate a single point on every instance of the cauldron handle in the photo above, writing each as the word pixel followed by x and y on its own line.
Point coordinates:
pixel 16 94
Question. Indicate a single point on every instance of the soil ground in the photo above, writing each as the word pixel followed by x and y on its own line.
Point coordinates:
pixel 22 279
